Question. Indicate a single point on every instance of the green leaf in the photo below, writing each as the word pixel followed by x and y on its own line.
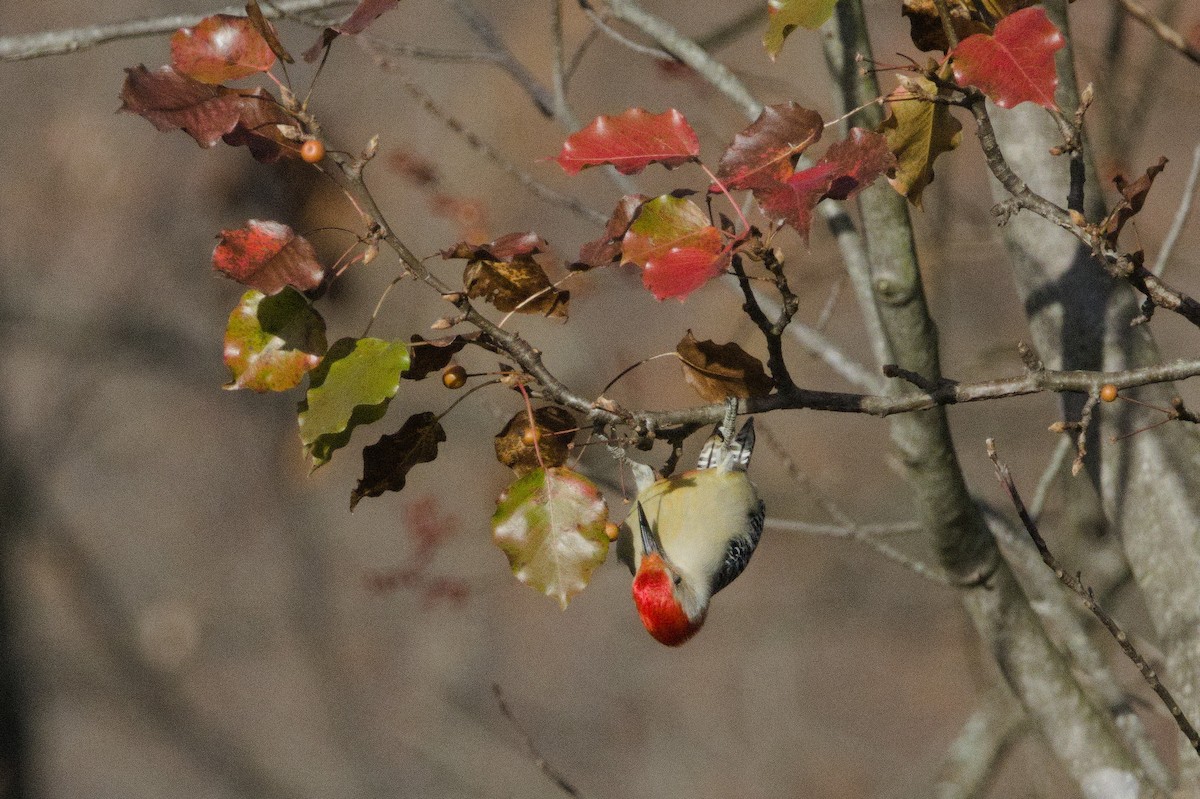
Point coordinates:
pixel 272 342
pixel 787 15
pixel 550 524
pixel 353 386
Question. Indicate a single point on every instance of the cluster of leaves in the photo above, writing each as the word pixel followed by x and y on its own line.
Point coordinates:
pixel 552 522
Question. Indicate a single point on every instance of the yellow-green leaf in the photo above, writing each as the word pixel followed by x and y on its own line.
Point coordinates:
pixel 787 15
pixel 917 132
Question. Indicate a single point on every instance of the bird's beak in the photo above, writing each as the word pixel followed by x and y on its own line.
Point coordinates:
pixel 649 541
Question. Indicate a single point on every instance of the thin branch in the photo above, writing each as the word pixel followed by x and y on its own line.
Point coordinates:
pixel 1169 36
pixel 1089 600
pixel 483 29
pixel 72 40
pixel 625 41
pixel 552 774
pixel 1181 215
pixel 1122 266
pixel 527 181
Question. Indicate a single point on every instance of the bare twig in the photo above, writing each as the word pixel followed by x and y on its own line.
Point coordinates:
pixel 552 774
pixel 1089 600
pixel 72 40
pixel 1123 266
pixel 1181 215
pixel 1169 36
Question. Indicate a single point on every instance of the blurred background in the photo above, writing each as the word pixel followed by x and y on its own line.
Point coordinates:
pixel 189 613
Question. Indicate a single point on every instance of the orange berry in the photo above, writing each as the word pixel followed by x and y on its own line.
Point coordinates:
pixel 312 151
pixel 1108 392
pixel 454 376
pixel 612 531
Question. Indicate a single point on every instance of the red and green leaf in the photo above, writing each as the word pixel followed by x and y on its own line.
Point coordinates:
pixel 221 48
pixel 268 256
pixel 1016 64
pixel 631 142
pixel 272 342
pixel 353 385
pixel 766 151
pixel 550 525
pixel 387 462
pixel 784 16
pixel 676 246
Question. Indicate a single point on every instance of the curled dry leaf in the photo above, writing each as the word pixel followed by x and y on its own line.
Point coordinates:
pixel 268 256
pixel 718 371
pixel 518 285
pixel 387 462
pixel 926 26
pixel 1133 197
pixel 555 429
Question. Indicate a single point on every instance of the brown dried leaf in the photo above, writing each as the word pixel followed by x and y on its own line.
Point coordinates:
pixel 518 285
pixel 387 462
pixel 556 428
pixel 927 33
pixel 432 355
pixel 717 371
pixel 1133 198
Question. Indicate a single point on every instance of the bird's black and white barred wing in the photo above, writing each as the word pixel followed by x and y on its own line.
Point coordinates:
pixel 738 553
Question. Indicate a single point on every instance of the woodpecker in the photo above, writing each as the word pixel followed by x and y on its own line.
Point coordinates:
pixel 695 534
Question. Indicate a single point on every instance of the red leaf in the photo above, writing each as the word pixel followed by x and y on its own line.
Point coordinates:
pixel 268 256
pixel 1016 64
pixel 793 200
pixel 860 158
pixel 681 270
pixel 847 168
pixel 171 100
pixel 631 142
pixel 765 152
pixel 221 48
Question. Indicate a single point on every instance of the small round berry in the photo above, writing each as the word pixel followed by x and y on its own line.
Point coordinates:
pixel 612 531
pixel 454 376
pixel 312 151
pixel 1108 392
pixel 530 436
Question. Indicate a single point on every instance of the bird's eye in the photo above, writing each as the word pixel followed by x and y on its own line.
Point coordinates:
pixel 677 579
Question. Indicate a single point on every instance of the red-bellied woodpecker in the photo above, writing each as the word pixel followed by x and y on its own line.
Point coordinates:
pixel 693 534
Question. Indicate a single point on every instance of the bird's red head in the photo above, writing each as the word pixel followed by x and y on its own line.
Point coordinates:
pixel 654 595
